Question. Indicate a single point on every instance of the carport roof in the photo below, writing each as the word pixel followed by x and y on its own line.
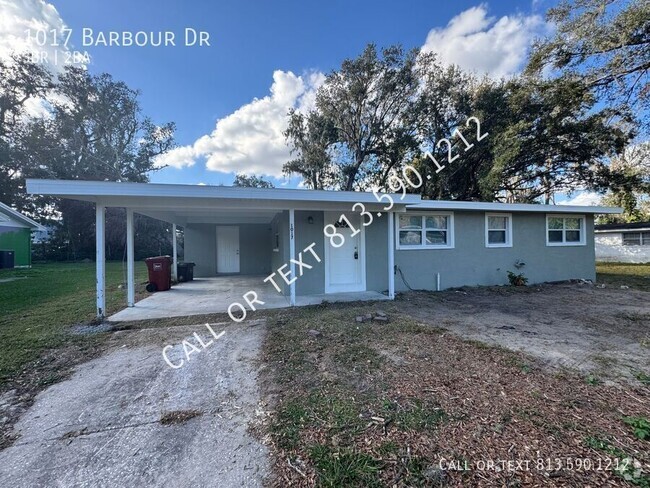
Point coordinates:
pixel 150 198
pixel 183 204
pixel 104 190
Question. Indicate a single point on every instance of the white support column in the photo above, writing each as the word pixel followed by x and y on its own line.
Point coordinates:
pixel 391 255
pixel 174 254
pixel 292 256
pixel 100 257
pixel 130 259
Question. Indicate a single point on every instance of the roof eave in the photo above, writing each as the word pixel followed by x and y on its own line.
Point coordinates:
pixel 512 207
pixel 21 218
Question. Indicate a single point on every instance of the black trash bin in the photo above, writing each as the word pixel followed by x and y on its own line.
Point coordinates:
pixel 7 259
pixel 185 272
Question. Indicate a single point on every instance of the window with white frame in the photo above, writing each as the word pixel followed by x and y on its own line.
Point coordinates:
pixel 425 231
pixel 498 230
pixel 565 230
pixel 636 238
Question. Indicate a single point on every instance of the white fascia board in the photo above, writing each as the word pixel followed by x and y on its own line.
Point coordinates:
pixel 95 190
pixel 618 231
pixel 20 218
pixel 512 207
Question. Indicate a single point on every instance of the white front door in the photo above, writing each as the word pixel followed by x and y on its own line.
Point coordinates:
pixel 227 249
pixel 345 266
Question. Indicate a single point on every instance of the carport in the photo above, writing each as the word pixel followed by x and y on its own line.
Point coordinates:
pixel 285 224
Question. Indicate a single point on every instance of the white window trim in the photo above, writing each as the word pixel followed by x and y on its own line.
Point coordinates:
pixel 450 232
pixel 508 229
pixel 642 241
pixel 583 230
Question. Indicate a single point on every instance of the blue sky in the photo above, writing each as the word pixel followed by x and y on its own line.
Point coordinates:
pixel 281 46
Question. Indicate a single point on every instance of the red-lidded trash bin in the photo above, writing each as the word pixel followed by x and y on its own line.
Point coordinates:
pixel 160 273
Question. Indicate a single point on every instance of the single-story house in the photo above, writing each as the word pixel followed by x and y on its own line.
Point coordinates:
pixel 625 243
pixel 315 243
pixel 16 238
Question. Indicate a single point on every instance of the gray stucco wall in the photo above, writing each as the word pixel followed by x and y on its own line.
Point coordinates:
pixel 312 282
pixel 254 249
pixel 200 248
pixel 471 263
pixel 280 226
pixel 377 254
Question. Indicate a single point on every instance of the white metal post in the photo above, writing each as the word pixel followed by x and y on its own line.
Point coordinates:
pixel 100 256
pixel 174 254
pixel 292 256
pixel 130 259
pixel 391 255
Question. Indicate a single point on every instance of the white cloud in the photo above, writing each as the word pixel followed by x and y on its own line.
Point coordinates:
pixel 17 16
pixel 177 158
pixel 250 140
pixel 37 16
pixel 485 44
pixel 583 198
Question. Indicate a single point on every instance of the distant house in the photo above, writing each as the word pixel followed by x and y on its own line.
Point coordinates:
pixel 625 243
pixel 15 238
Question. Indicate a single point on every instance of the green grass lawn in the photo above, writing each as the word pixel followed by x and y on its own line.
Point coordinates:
pixel 617 274
pixel 38 308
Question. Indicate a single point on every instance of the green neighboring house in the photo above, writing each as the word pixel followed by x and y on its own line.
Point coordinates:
pixel 16 235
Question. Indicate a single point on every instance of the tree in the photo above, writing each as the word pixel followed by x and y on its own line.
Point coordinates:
pixel 555 141
pixel 311 138
pixel 95 131
pixel 21 81
pixel 448 100
pixel 98 130
pixel 630 186
pixel 604 42
pixel 378 113
pixel 251 181
pixel 368 103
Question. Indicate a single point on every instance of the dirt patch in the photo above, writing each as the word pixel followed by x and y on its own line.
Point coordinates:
pixel 178 416
pixel 407 404
pixel 602 332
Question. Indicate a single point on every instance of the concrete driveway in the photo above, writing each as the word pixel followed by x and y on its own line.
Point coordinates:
pixel 102 427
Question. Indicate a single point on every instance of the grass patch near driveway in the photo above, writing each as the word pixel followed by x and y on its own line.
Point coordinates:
pixel 41 303
pixel 400 403
pixel 40 308
pixel 624 274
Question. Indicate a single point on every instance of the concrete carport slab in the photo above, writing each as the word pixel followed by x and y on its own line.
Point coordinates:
pixel 215 295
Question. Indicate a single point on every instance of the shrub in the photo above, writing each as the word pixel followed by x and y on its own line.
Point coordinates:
pixel 517 279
